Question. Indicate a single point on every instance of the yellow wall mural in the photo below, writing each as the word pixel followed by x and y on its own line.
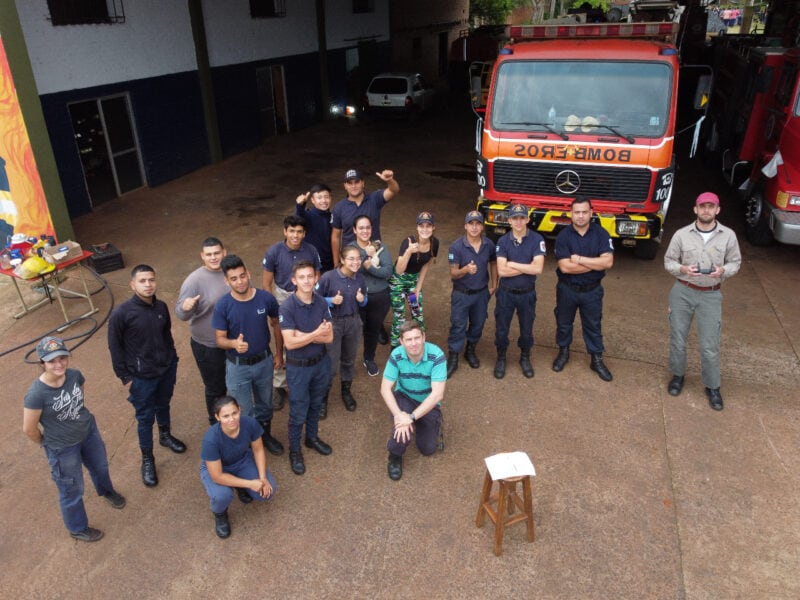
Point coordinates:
pixel 23 208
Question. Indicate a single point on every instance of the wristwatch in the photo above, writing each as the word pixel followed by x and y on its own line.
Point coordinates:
pixel 412 417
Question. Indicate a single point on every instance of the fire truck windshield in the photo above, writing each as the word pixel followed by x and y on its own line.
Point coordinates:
pixel 583 97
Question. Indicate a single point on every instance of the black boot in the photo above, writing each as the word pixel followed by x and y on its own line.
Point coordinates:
pixel 270 443
pixel 347 397
pixel 149 475
pixel 323 409
pixel 222 526
pixel 500 364
pixel 562 359
pixel 597 365
pixel 166 439
pixel 452 363
pixel 525 363
pixel 471 357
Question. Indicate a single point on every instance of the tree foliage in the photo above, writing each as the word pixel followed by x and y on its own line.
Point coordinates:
pixel 493 11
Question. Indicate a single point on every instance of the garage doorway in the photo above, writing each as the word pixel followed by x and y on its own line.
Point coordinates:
pixel 107 146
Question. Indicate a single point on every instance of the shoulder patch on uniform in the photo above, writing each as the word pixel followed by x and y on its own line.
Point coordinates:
pixel 542 246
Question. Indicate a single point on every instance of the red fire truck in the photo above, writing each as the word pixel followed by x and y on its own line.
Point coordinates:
pixel 585 110
pixel 754 128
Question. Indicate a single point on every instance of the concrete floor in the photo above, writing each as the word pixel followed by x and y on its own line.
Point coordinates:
pixel 637 494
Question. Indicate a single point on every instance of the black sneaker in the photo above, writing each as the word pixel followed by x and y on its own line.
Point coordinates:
pixel 372 368
pixel 114 499
pixel 90 534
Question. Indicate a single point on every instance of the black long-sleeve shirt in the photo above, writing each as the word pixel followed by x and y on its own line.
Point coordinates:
pixel 140 339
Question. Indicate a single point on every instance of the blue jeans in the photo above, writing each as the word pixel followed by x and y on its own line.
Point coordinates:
pixel 426 429
pixel 251 385
pixel 308 387
pixel 222 495
pixel 468 313
pixel 505 305
pixel 67 472
pixel 211 364
pixel 590 305
pixel 150 399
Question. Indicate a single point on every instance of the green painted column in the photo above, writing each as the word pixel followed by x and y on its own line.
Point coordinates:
pixel 20 64
pixel 204 75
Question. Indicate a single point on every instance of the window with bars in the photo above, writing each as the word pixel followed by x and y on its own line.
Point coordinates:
pixel 363 6
pixel 265 9
pixel 85 12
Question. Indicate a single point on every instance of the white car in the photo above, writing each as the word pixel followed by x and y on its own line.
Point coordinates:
pixel 400 94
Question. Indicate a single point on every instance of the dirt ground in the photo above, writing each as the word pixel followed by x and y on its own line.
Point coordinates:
pixel 637 494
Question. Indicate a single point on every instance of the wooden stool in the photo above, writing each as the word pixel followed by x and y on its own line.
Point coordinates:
pixel 503 514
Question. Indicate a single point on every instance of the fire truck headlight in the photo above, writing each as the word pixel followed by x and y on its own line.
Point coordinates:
pixel 794 200
pixel 497 216
pixel 631 228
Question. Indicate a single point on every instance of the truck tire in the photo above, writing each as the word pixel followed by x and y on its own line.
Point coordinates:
pixel 756 224
pixel 646 249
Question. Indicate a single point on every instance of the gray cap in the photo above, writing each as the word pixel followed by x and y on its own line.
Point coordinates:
pixel 51 347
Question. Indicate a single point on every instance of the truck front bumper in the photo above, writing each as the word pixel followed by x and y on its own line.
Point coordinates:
pixel 785 226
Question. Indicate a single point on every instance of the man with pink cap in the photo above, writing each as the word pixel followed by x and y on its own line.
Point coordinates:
pixel 700 256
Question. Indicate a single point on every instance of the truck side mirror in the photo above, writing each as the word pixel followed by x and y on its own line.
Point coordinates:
pixel 702 93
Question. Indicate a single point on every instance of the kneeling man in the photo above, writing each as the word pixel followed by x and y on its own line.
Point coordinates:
pixel 413 388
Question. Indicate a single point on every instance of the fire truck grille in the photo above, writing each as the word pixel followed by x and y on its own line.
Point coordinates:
pixel 559 181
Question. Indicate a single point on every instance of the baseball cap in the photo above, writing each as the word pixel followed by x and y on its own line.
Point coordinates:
pixel 50 347
pixel 352 174
pixel 707 198
pixel 473 215
pixel 424 217
pixel 518 210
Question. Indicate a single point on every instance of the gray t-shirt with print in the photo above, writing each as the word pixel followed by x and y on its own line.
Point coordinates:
pixel 65 419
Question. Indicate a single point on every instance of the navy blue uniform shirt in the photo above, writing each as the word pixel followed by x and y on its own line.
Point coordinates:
pixel 318 232
pixel 531 246
pixel 334 281
pixel 250 318
pixel 345 212
pixel 461 253
pixel 279 260
pixel 305 318
pixel 592 244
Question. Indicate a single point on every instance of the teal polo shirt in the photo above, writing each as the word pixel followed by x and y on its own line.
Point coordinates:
pixel 414 380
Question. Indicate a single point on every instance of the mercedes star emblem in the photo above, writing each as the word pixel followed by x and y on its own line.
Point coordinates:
pixel 568 182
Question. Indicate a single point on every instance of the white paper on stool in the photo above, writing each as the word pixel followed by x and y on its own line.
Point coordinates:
pixel 509 464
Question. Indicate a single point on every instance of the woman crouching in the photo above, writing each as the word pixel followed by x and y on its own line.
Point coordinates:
pixel 233 457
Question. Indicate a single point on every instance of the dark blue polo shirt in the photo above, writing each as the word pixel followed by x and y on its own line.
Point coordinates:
pixel 279 260
pixel 592 244
pixel 461 253
pixel 305 318
pixel 334 281
pixel 250 318
pixel 345 212
pixel 318 232
pixel 531 246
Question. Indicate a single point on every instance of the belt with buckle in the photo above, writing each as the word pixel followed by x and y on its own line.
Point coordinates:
pixel 469 292
pixel 249 360
pixel 577 287
pixel 699 288
pixel 518 291
pixel 305 362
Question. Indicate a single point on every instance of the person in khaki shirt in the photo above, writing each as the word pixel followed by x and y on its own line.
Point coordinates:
pixel 700 256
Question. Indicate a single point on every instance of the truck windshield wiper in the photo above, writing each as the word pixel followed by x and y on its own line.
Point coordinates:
pixel 560 134
pixel 613 129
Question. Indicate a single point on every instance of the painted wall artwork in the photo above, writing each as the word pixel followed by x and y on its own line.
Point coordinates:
pixel 23 208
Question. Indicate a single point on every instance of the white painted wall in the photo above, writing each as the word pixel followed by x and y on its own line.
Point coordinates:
pixel 156 39
pixel 344 29
pixel 235 37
